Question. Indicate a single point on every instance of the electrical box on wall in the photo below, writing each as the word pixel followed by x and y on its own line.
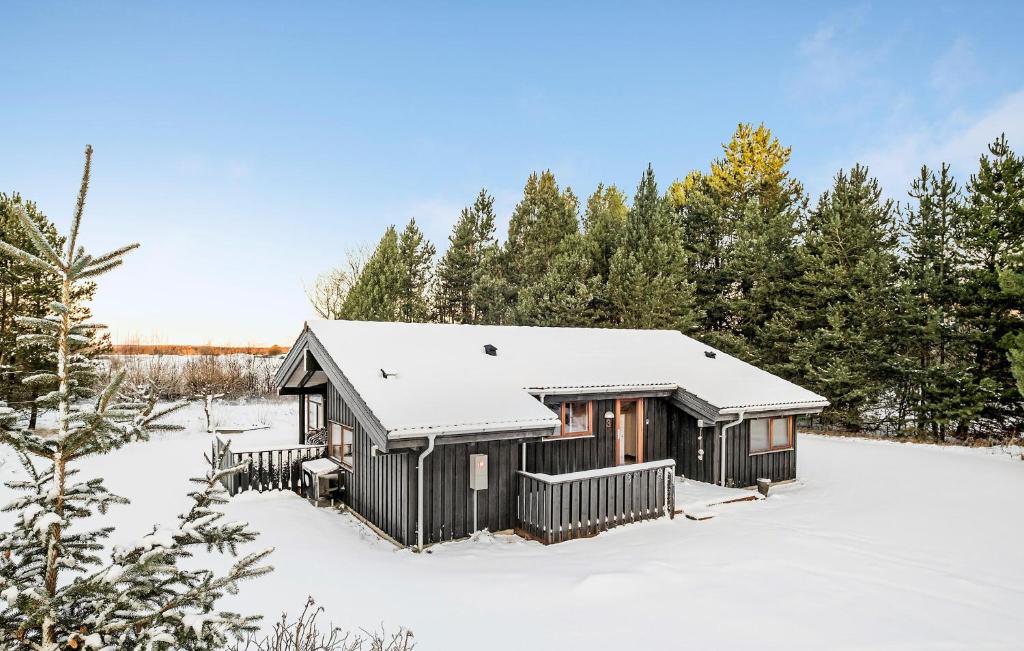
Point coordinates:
pixel 478 472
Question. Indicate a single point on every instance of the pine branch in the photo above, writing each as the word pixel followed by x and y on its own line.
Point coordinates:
pixel 112 255
pixel 99 270
pixel 43 248
pixel 83 190
pixel 27 258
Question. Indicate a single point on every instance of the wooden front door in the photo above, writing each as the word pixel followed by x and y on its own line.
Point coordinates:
pixel 629 431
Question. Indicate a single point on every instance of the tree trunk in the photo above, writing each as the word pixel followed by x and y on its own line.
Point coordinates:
pixel 33 410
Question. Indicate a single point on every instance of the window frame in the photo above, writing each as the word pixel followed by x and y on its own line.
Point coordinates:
pixel 590 419
pixel 343 428
pixel 312 426
pixel 790 431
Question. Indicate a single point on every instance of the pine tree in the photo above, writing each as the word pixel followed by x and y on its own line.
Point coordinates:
pixel 461 267
pixel 542 219
pixel 991 236
pixel 494 294
pixel 27 291
pixel 566 293
pixel 375 294
pixel 741 224
pixel 706 237
pixel 846 299
pixel 394 282
pixel 1012 282
pixel 932 351
pixel 56 591
pixel 648 284
pixel 417 259
pixel 603 223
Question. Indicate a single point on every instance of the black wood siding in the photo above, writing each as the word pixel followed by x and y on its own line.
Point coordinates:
pixel 687 441
pixel 448 500
pixel 574 454
pixel 381 489
pixel 744 469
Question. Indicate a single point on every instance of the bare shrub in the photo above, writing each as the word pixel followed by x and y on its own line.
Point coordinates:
pixel 186 376
pixel 306 634
pixel 162 372
pixel 330 289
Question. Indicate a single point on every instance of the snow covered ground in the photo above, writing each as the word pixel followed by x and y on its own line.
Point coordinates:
pixel 878 545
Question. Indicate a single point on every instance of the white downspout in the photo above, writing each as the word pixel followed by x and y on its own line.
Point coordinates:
pixel 739 419
pixel 419 490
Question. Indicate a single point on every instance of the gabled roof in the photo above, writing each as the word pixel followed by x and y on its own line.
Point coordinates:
pixel 439 379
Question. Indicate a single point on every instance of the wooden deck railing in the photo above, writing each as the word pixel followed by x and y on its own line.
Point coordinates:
pixel 269 469
pixel 555 508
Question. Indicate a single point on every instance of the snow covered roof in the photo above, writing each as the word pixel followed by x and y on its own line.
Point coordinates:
pixel 439 379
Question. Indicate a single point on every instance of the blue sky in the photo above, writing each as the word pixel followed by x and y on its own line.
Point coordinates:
pixel 248 145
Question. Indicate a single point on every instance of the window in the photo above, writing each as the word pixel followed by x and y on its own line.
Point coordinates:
pixel 771 434
pixel 780 433
pixel 575 418
pixel 314 411
pixel 339 443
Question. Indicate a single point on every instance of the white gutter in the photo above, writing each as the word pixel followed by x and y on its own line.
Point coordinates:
pixel 739 419
pixel 600 389
pixel 419 490
pixel 810 406
pixel 473 428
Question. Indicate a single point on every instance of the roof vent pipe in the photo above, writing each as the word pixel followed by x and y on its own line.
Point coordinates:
pixel 490 350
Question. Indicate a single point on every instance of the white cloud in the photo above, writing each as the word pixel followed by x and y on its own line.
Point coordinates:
pixel 958 140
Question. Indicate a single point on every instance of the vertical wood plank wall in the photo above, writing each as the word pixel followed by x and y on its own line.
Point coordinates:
pixel 687 442
pixel 382 489
pixel 448 500
pixel 743 469
pixel 574 454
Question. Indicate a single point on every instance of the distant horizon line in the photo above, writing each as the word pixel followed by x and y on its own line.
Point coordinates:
pixel 195 349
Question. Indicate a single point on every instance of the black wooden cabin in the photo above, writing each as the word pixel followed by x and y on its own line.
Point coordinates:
pixel 579 458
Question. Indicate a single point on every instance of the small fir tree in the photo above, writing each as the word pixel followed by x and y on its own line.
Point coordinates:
pixel 57 593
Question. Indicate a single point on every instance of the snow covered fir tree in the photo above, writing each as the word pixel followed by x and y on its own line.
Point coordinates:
pixel 56 590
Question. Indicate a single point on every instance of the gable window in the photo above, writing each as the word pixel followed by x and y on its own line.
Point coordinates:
pixel 314 411
pixel 576 419
pixel 771 434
